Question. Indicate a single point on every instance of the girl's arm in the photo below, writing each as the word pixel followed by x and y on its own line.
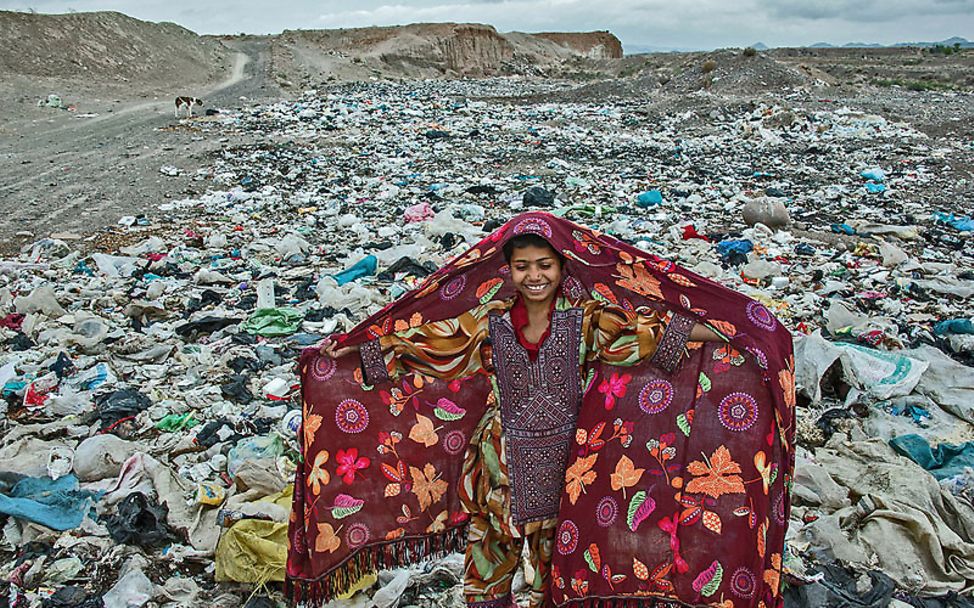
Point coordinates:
pixel 446 349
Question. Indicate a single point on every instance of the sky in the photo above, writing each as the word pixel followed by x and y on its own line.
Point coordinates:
pixel 672 24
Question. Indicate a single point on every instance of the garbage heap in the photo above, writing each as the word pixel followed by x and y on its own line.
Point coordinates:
pixel 150 401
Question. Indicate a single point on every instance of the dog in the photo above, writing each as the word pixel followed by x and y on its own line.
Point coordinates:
pixel 188 103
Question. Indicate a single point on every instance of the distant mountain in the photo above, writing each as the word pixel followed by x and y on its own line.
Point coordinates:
pixel 952 41
pixel 963 42
pixel 636 49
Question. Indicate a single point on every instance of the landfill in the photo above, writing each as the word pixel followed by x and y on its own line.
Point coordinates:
pixel 150 400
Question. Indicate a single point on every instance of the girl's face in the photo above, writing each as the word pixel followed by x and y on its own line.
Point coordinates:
pixel 536 273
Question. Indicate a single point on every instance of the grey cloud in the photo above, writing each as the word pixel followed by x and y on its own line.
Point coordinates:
pixel 864 10
pixel 702 24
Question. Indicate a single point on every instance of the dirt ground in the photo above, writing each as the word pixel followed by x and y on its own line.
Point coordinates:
pixel 70 174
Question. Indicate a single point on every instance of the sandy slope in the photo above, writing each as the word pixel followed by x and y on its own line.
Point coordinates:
pixel 65 173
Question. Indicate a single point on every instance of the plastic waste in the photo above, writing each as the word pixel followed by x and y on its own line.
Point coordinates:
pixel 176 422
pixel 210 494
pixel 133 590
pixel 364 267
pixel 536 196
pixel 954 326
pixel 118 405
pixel 138 521
pixel 649 198
pixel 72 597
pixel 269 322
pixel 42 300
pixel 52 101
pixel 265 294
pixel 57 504
pixel 116 265
pixel 420 212
pixel 254 448
pixel 875 174
pixel 963 223
pixel 60 462
pixel 253 550
pixel 291 423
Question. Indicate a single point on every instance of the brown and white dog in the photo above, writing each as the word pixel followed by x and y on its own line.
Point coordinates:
pixel 188 103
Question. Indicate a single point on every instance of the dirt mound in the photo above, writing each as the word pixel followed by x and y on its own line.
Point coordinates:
pixel 727 72
pixel 107 47
pixel 736 72
pixel 431 50
pixel 594 45
pixel 910 68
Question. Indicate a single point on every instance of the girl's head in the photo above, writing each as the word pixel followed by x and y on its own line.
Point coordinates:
pixel 536 267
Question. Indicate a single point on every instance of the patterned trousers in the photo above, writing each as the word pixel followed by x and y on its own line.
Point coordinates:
pixel 494 545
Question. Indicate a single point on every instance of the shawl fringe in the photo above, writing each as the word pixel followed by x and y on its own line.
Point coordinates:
pixel 627 602
pixel 397 553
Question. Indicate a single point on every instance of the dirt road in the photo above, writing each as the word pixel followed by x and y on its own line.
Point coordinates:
pixel 64 173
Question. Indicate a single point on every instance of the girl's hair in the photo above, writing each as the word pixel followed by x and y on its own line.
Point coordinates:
pixel 529 240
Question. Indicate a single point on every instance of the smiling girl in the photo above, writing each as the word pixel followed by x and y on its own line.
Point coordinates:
pixel 536 347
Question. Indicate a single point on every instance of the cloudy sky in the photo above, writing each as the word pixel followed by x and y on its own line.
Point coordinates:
pixel 703 24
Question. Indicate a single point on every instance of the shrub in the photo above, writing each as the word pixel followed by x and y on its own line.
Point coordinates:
pixel 708 66
pixel 750 51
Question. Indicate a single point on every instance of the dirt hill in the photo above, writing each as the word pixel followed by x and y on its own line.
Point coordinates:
pixel 108 48
pixel 594 45
pixel 431 50
pixel 75 51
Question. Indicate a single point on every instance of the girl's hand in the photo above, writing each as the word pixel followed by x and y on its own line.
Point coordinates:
pixel 331 349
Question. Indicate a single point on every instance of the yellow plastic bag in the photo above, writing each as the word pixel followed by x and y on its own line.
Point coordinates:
pixel 254 550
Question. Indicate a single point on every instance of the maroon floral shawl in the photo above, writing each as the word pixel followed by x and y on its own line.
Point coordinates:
pixel 678 488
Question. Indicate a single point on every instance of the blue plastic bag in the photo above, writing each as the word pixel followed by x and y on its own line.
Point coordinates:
pixel 740 246
pixel 875 174
pixel 958 222
pixel 364 267
pixel 649 198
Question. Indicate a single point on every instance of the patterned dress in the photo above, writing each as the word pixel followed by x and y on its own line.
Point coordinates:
pixel 514 467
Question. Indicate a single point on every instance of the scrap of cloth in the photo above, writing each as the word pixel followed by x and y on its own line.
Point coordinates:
pixel 59 504
pixel 944 461
pixel 674 490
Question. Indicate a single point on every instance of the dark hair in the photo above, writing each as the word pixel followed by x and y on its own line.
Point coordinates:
pixel 530 240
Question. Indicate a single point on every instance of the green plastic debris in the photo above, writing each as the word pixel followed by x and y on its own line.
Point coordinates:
pixel 270 322
pixel 177 422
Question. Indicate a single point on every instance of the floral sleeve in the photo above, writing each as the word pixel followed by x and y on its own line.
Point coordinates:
pixel 446 349
pixel 620 337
